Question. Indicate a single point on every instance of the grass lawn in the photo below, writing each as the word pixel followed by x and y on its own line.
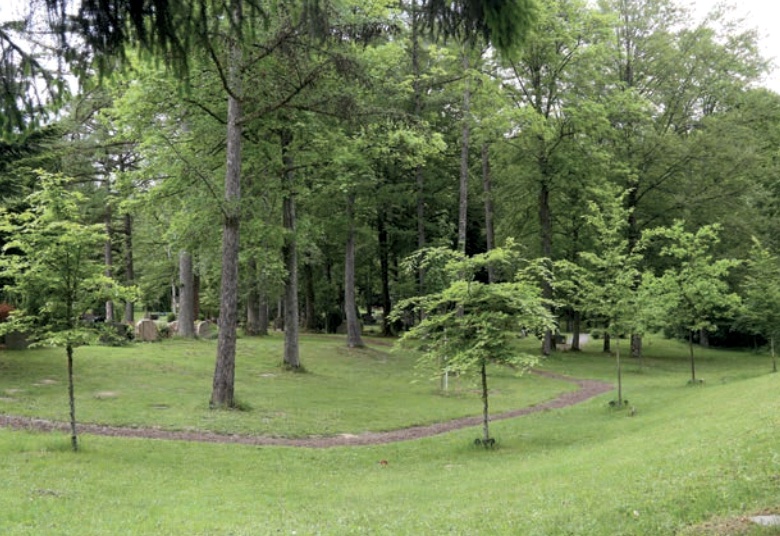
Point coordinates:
pixel 168 385
pixel 690 454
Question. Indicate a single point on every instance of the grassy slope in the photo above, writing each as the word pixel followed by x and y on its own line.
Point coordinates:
pixel 168 385
pixel 688 454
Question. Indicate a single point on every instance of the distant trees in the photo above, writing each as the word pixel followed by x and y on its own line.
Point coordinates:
pixel 760 313
pixel 694 291
pixel 362 134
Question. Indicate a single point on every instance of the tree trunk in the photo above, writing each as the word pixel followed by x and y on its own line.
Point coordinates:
pixel 310 298
pixel 74 441
pixel 704 338
pixel 129 271
pixel 279 319
pixel 488 191
pixel 619 373
pixel 222 393
pixel 186 298
pixel 545 225
pixel 693 363
pixel 485 413
pixel 636 346
pixel 252 314
pixel 463 204
pixel 772 350
pixel 290 254
pixel 195 296
pixel 606 348
pixel 263 320
pixel 576 326
pixel 252 301
pixel 418 172
pixel 174 297
pixel 384 268
pixel 354 339
pixel 108 257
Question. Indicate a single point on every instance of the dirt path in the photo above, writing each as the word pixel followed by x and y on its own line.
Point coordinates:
pixel 587 390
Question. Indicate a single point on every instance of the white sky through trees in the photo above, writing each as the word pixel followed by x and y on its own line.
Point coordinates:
pixel 759 14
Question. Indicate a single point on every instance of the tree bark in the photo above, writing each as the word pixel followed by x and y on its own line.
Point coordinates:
pixel 252 301
pixel 384 268
pixel 290 254
pixel 485 412
pixel 606 348
pixel 704 338
pixel 222 393
pixel 575 331
pixel 129 271
pixel 108 254
pixel 693 362
pixel 418 172
pixel 463 203
pixel 195 296
pixel 636 346
pixel 309 298
pixel 488 191
pixel 772 350
pixel 186 297
pixel 354 339
pixel 263 320
pixel 619 373
pixel 74 441
pixel 545 225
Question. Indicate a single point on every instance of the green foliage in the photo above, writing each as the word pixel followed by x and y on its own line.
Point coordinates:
pixel 760 313
pixel 695 291
pixel 606 281
pixel 504 23
pixel 51 257
pixel 467 323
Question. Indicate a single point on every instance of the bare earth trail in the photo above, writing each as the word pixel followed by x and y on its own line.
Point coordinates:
pixel 587 390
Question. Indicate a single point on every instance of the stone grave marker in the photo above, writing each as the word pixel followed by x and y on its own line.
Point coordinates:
pixel 203 329
pixel 146 330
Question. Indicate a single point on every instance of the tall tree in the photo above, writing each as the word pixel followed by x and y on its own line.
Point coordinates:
pixel 543 84
pixel 222 393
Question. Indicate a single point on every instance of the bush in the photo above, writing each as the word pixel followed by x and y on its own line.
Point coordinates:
pixel 171 317
pixel 5 310
pixel 163 329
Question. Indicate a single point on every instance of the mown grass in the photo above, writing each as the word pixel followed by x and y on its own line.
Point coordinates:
pixel 168 385
pixel 690 454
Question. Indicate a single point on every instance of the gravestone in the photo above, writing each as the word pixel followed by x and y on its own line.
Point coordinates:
pixel 203 329
pixel 15 340
pixel 173 327
pixel 146 330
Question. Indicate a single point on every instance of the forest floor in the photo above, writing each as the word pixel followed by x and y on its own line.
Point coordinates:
pixel 587 390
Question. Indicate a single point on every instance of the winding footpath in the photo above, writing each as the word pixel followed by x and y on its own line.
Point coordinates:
pixel 587 390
